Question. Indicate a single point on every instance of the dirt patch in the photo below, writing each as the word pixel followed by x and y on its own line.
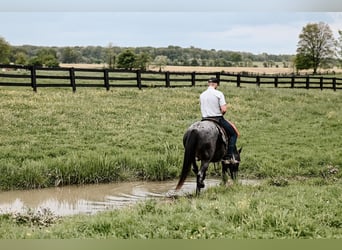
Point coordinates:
pixel 229 69
pixel 83 65
pixel 254 70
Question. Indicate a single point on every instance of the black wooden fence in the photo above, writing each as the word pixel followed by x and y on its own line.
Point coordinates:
pixel 37 77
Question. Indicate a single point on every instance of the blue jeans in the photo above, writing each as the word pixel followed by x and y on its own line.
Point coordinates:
pixel 231 133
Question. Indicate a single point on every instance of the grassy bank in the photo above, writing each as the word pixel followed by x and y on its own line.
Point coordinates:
pixel 55 137
pixel 307 209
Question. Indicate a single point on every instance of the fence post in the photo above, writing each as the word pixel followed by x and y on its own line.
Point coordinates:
pixel 238 80
pixel 167 79
pixel 334 83
pixel 307 82
pixel 106 78
pixel 72 79
pixel 258 81
pixel 292 81
pixel 33 78
pixel 276 82
pixel 321 82
pixel 218 76
pixel 138 78
pixel 193 79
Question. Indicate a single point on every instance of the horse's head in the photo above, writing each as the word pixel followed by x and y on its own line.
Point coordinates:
pixel 234 167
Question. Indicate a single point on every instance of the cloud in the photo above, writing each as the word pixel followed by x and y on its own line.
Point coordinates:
pixel 269 38
pixel 336 22
pixel 256 32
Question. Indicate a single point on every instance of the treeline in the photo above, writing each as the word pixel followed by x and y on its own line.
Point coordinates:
pixel 171 55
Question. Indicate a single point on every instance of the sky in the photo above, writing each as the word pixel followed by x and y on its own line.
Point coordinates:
pixel 271 26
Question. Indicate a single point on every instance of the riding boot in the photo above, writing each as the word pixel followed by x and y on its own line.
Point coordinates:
pixel 229 158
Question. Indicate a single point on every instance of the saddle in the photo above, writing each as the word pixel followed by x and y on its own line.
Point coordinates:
pixel 223 135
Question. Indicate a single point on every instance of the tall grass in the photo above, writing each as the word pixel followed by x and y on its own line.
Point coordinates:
pixel 55 137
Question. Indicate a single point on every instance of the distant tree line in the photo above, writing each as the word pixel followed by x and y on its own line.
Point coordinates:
pixel 114 56
pixel 316 48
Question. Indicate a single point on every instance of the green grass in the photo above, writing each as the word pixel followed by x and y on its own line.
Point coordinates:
pixel 300 210
pixel 290 138
pixel 56 137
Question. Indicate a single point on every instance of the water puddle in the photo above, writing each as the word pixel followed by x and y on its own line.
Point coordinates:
pixel 89 199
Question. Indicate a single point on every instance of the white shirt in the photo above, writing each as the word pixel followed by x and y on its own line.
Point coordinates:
pixel 211 101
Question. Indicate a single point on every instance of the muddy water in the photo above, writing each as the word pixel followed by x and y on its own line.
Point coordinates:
pixel 89 199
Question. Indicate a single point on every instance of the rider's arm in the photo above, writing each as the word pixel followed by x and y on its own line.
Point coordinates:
pixel 223 109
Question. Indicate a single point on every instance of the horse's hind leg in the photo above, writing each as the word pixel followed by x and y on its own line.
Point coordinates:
pixel 195 167
pixel 201 175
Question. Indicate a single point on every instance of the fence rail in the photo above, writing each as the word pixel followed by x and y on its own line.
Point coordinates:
pixel 38 77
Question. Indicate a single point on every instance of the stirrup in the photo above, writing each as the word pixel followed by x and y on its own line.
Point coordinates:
pixel 232 160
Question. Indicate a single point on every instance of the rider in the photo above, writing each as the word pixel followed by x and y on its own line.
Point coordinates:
pixel 214 106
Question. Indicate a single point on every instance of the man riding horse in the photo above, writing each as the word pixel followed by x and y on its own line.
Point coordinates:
pixel 213 107
pixel 204 140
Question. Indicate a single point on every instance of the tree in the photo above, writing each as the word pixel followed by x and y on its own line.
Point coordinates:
pixel 235 57
pixel 70 55
pixel 20 58
pixel 248 63
pixel 45 57
pixel 339 47
pixel 194 62
pixel 126 59
pixel 35 61
pixel 48 57
pixel 142 61
pixel 5 50
pixel 110 56
pixel 302 62
pixel 160 62
pixel 316 44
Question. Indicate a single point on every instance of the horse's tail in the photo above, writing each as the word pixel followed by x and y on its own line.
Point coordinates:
pixel 189 156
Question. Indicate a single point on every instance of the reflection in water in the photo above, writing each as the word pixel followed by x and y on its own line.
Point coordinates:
pixel 89 199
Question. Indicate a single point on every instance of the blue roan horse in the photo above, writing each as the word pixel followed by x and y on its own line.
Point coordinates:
pixel 205 141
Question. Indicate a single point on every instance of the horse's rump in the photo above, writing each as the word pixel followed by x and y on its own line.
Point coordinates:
pixel 222 132
pixel 205 140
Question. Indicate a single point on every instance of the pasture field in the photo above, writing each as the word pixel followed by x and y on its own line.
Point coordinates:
pixel 291 140
pixel 55 137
